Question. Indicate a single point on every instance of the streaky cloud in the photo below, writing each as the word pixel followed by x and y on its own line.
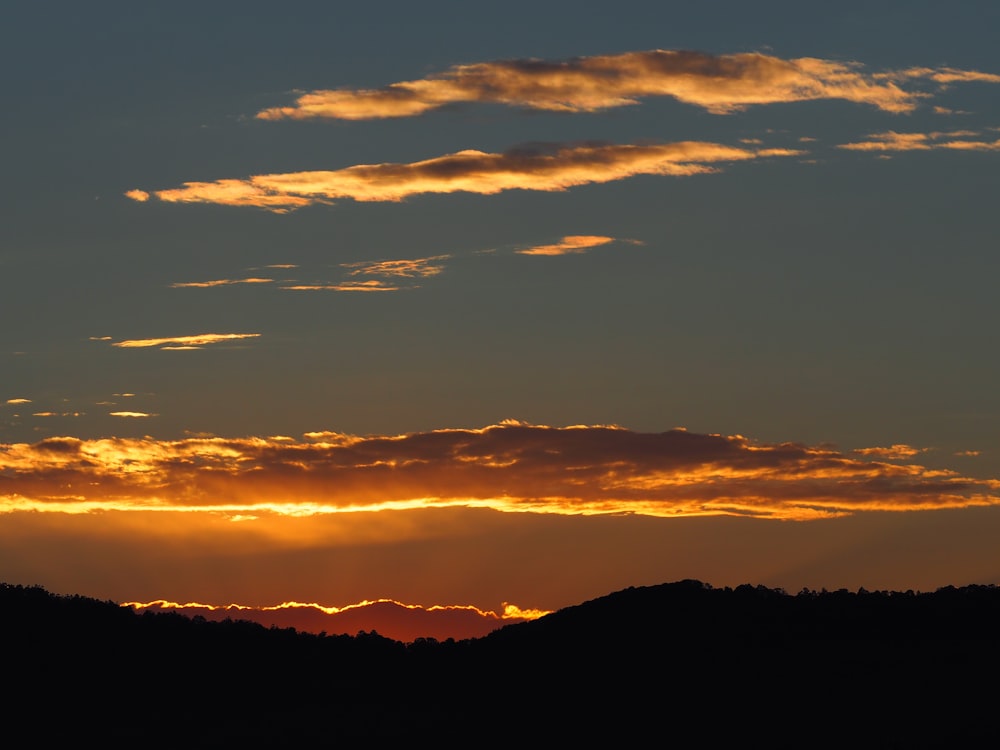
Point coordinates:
pixel 720 84
pixel 957 140
pixel 370 285
pixel 184 342
pixel 218 282
pixel 131 414
pixel 552 167
pixel 574 243
pixel 509 467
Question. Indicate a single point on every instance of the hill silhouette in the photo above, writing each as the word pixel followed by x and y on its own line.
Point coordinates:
pixel 677 664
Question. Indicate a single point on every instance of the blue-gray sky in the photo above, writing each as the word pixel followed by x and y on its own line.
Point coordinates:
pixel 825 279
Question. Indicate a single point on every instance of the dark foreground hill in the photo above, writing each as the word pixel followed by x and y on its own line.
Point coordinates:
pixel 681 664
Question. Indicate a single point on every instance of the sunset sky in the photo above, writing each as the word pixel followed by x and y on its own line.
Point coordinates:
pixel 501 306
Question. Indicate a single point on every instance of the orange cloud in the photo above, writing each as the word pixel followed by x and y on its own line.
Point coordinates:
pixel 570 244
pixel 892 452
pixel 511 467
pixel 942 75
pixel 552 168
pixel 416 267
pixel 218 282
pixel 401 622
pixel 184 342
pixel 720 84
pixel 138 195
pixel 371 285
pixel 958 140
pixel 19 401
pixel 132 414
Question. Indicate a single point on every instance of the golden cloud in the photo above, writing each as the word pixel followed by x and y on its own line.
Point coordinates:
pixel 218 282
pixel 898 451
pixel 957 140
pixel 184 342
pixel 371 285
pixel 393 619
pixel 552 168
pixel 720 84
pixel 412 268
pixel 19 401
pixel 511 467
pixel 575 243
pixel 131 414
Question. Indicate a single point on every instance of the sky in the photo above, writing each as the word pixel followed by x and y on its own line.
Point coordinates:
pixel 493 310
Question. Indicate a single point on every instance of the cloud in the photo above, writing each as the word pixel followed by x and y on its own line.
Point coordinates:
pixel 412 268
pixel 138 195
pixel 958 140
pixel 218 282
pixel 58 414
pixel 132 414
pixel 575 243
pixel 898 451
pixel 19 401
pixel 371 285
pixel 511 467
pixel 721 84
pixel 554 167
pixel 184 342
pixel 943 75
pixel 392 619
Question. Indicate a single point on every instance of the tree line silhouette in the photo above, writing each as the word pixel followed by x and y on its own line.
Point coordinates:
pixel 681 663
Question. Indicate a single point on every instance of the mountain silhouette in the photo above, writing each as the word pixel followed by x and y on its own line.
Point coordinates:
pixel 680 664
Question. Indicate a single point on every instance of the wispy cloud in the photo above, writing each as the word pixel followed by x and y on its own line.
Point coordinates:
pixel 184 342
pixel 898 451
pixel 720 84
pixel 131 414
pixel 510 467
pixel 552 167
pixel 371 285
pixel 218 282
pixel 19 401
pixel 957 140
pixel 574 243
pixel 411 268
pixel 58 414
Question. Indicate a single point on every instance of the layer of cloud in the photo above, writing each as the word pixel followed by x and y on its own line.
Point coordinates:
pixel 183 342
pixel 218 282
pixel 956 140
pixel 552 167
pixel 392 619
pixel 720 84
pixel 574 243
pixel 509 467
